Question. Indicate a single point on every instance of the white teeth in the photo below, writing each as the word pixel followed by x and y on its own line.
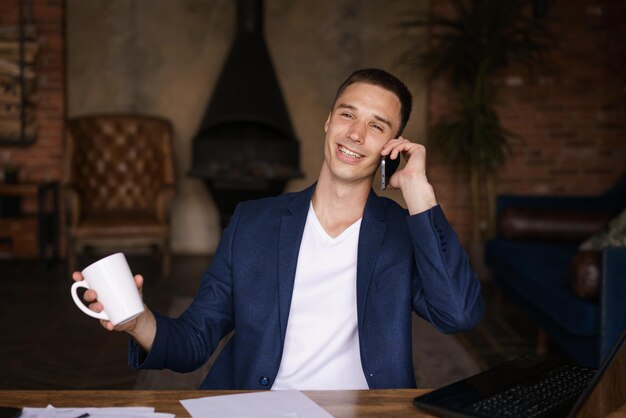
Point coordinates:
pixel 349 153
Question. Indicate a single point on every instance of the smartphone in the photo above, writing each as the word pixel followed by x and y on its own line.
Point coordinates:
pixel 387 168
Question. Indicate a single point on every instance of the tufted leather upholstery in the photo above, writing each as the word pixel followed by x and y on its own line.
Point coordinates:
pixel 118 175
pixel 586 274
pixel 556 225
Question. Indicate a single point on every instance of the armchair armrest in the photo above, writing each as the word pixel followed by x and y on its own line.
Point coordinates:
pixel 613 315
pixel 164 199
pixel 612 200
pixel 586 274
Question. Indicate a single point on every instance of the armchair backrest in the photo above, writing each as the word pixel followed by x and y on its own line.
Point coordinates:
pixel 558 217
pixel 118 162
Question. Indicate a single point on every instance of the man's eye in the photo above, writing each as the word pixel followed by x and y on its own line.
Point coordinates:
pixel 347 115
pixel 377 127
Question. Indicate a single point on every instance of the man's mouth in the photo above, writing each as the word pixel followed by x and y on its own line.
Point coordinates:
pixel 345 151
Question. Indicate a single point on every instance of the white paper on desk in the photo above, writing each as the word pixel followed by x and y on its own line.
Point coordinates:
pixel 278 404
pixel 112 412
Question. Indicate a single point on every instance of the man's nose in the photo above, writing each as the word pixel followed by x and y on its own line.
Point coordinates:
pixel 357 133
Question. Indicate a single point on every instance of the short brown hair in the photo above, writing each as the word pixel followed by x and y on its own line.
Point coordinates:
pixel 387 81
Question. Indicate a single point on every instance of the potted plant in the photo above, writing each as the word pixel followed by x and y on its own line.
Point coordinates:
pixel 468 45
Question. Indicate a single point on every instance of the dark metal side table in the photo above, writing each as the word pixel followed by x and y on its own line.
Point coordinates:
pixel 47 216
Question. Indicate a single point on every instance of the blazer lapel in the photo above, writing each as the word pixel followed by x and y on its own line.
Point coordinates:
pixel 289 240
pixel 371 236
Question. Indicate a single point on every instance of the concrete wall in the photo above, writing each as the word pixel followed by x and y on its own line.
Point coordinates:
pixel 164 56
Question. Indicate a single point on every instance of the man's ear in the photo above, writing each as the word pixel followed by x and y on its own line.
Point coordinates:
pixel 327 122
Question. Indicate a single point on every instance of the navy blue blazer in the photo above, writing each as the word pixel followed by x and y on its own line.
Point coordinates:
pixel 405 263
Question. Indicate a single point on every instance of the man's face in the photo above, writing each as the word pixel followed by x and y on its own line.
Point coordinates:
pixel 364 118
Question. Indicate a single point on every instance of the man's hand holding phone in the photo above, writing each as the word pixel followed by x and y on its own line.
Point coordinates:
pixel 411 179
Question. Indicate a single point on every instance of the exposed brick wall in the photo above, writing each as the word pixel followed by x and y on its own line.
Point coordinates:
pixel 41 161
pixel 571 122
pixel 572 125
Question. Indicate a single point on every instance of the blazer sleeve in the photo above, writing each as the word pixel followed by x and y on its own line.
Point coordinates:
pixel 185 344
pixel 446 291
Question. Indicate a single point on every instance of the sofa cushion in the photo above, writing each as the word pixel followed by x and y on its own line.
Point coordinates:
pixel 539 273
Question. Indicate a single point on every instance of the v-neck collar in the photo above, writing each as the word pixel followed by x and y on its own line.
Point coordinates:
pixel 315 222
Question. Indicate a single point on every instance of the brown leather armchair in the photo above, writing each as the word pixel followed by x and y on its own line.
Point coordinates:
pixel 118 176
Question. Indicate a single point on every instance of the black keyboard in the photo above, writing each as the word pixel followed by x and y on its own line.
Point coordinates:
pixel 561 385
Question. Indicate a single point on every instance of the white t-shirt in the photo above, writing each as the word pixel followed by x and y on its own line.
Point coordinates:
pixel 322 342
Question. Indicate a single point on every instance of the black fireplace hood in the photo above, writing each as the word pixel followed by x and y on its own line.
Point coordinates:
pixel 245 147
pixel 246 135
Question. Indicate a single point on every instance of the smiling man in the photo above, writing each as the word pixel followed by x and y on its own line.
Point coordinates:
pixel 320 285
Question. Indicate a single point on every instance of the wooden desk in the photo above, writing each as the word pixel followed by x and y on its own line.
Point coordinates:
pixel 358 403
pixel 345 403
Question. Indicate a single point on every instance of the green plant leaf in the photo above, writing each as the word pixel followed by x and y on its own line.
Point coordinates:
pixel 467 49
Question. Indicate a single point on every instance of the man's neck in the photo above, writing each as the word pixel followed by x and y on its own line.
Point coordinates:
pixel 338 205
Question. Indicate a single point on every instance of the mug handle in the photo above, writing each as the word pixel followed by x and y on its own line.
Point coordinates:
pixel 81 305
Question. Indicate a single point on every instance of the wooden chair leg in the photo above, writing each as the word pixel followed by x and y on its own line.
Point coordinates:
pixel 498 300
pixel 542 341
pixel 71 256
pixel 166 263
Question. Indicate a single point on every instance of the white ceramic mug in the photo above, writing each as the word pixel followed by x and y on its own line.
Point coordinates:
pixel 114 283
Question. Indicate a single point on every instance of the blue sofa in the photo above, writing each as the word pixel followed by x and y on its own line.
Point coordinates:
pixel 534 271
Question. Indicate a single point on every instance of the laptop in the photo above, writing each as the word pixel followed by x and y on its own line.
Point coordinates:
pixel 535 386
